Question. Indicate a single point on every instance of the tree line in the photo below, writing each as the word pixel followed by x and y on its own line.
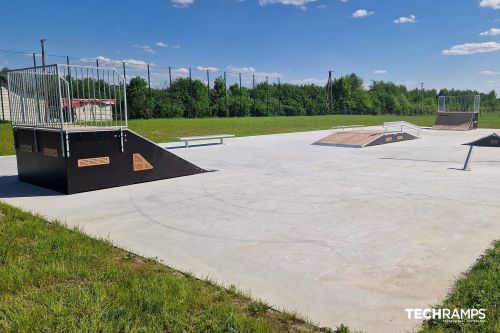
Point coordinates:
pixel 192 98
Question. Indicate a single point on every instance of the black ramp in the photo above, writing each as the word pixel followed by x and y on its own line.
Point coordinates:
pixel 40 159
pixel 95 160
pixel 492 140
pixel 457 121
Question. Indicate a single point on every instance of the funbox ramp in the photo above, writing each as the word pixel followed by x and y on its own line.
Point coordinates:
pixel 456 121
pixel 361 139
pixel 86 160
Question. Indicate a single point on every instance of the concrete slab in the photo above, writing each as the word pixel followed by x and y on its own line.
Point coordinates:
pixel 340 235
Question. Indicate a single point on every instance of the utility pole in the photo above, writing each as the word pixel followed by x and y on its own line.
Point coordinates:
pixel 329 92
pixel 422 99
pixel 42 44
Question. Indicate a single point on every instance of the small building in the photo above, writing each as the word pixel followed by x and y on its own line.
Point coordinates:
pixel 4 99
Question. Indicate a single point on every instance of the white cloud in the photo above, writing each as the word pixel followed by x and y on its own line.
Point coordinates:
pixel 107 62
pixel 380 71
pixel 296 3
pixel 406 19
pixel 491 32
pixel 145 48
pixel 183 71
pixel 181 3
pixel 360 13
pixel 248 72
pixel 204 69
pixel 488 73
pixel 241 69
pixel 495 4
pixel 472 48
pixel 165 45
pixel 318 82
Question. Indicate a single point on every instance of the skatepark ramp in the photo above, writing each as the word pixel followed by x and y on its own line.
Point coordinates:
pixel 457 113
pixel 71 135
pixel 367 138
pixel 492 141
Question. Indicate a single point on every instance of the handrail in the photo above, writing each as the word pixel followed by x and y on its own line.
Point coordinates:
pixel 353 127
pixel 402 124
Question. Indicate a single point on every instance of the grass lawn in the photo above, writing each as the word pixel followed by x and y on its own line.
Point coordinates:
pixel 479 288
pixel 164 130
pixel 53 279
pixel 6 141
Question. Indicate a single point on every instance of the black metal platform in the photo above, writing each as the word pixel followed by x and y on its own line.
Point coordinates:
pixel 79 161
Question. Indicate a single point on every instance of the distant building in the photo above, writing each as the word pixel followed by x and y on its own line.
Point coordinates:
pixel 4 99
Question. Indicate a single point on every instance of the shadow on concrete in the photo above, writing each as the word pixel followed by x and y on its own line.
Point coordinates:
pixel 11 187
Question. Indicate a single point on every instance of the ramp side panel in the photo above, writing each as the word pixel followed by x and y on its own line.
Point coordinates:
pixel 492 140
pixel 96 161
pixel 391 138
pixel 40 158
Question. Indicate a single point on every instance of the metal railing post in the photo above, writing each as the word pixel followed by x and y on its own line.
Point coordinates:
pixel 1 100
pixel 125 95
pixel 60 97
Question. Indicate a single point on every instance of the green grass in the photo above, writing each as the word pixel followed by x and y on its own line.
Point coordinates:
pixel 165 130
pixel 479 288
pixel 6 141
pixel 53 279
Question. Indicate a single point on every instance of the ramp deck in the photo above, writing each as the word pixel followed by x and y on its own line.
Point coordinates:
pixel 360 139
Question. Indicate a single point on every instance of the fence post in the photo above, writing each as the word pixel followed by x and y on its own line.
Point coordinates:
pixel 34 59
pixel 225 95
pixel 1 100
pixel 254 93
pixel 170 91
pixel 149 92
pixel 191 93
pixel 279 96
pixel 267 95
pixel 241 97
pixel 208 91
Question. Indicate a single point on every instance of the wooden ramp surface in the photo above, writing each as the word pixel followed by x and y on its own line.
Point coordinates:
pixel 360 139
pixel 352 139
pixel 455 121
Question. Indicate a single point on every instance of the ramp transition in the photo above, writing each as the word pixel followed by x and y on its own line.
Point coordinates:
pixel 86 160
pixel 456 121
pixel 361 139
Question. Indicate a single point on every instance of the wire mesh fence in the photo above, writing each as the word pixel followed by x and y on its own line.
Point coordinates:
pixel 169 91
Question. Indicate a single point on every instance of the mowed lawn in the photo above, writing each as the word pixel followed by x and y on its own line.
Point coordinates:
pixel 53 279
pixel 165 130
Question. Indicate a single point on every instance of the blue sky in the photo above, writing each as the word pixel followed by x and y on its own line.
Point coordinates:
pixel 443 43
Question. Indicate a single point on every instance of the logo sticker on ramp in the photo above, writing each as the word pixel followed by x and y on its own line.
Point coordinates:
pixel 140 163
pixel 90 162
